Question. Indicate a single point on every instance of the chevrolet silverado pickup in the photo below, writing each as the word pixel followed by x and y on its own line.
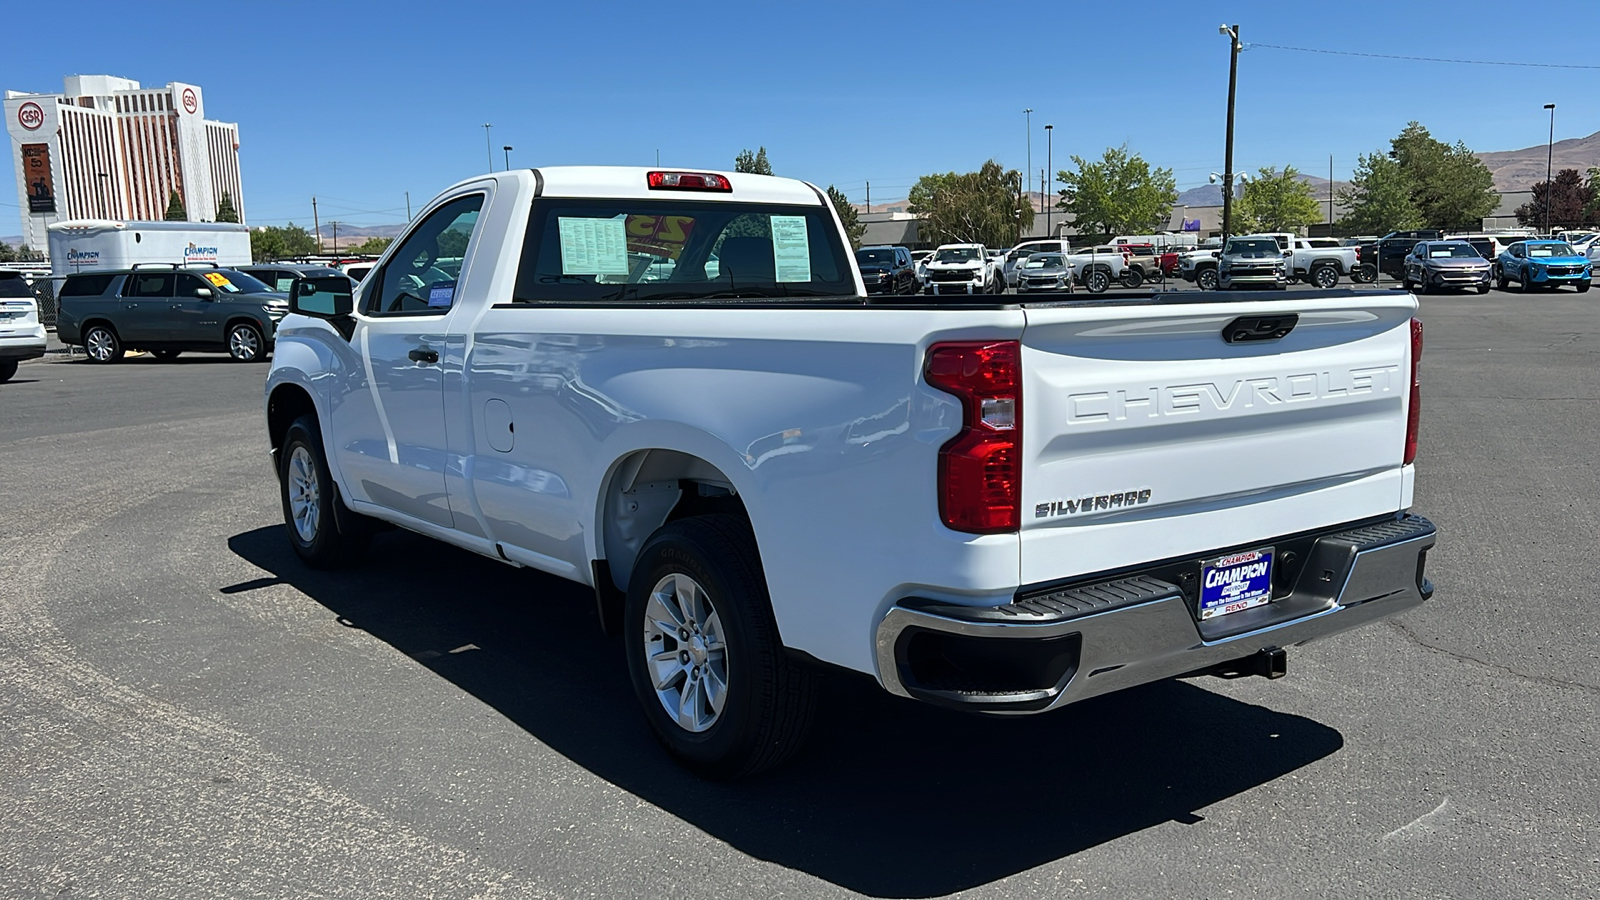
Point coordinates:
pixel 765 474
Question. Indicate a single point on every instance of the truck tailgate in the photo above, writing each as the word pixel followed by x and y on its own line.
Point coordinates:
pixel 1147 436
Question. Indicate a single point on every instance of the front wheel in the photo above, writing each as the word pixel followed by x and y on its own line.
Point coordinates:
pixel 1206 279
pixel 166 355
pixel 717 688
pixel 1500 279
pixel 309 496
pixel 1583 287
pixel 245 343
pixel 1525 282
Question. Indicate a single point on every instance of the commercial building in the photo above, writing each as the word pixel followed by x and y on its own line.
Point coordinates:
pixel 106 148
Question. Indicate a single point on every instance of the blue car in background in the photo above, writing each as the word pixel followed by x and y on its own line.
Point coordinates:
pixel 1534 264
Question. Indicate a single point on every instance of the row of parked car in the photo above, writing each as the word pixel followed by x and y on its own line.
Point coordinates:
pixel 1045 265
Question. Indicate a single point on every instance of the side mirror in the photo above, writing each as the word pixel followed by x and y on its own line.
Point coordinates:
pixel 325 298
pixel 204 293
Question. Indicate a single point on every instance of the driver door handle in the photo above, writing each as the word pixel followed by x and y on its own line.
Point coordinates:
pixel 424 355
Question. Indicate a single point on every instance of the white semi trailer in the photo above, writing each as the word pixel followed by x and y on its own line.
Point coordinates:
pixel 87 244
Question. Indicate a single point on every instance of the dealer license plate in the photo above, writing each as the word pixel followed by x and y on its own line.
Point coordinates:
pixel 1234 583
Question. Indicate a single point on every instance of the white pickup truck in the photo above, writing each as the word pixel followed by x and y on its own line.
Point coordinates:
pixel 964 269
pixel 764 473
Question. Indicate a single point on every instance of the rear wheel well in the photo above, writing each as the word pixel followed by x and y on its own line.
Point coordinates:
pixel 287 403
pixel 87 324
pixel 648 489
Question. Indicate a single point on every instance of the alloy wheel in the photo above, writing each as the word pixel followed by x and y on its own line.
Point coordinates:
pixel 99 344
pixel 304 493
pixel 685 652
pixel 243 343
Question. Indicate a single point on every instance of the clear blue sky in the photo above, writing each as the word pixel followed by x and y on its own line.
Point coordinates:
pixel 358 104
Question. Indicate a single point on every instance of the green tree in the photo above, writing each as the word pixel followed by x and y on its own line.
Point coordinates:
pixel 28 254
pixel 1120 194
pixel 982 207
pixel 281 242
pixel 225 210
pixel 847 216
pixel 1275 201
pixel 753 163
pixel 175 210
pixel 372 246
pixel 1451 188
pixel 6 253
pixel 1570 200
pixel 1378 199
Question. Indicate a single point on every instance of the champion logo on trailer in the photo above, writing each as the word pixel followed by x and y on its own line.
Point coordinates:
pixel 30 115
pixel 190 101
pixel 77 257
pixel 193 253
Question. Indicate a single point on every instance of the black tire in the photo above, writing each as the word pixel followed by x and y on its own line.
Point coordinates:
pixel 1406 283
pixel 1483 288
pixel 1325 277
pixel 1206 279
pixel 1096 281
pixel 1363 274
pixel 166 355
pixel 8 368
pixel 1500 279
pixel 1132 278
pixel 1582 286
pixel 245 343
pixel 338 537
pixel 101 344
pixel 1525 283
pixel 769 699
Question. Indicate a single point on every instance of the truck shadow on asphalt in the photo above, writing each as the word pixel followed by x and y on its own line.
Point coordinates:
pixel 891 798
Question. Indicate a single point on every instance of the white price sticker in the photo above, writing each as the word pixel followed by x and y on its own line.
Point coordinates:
pixel 594 246
pixel 791 248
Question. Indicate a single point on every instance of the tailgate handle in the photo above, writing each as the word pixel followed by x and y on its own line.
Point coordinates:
pixel 1259 328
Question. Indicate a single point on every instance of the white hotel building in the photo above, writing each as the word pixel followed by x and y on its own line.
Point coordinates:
pixel 105 148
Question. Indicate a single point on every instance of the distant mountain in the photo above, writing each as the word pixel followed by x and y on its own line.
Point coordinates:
pixel 1518 170
pixel 1211 194
pixel 11 240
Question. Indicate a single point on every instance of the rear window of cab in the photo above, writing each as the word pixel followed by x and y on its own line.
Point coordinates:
pixel 581 250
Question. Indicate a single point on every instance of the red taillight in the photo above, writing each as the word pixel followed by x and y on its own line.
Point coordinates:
pixel 1414 416
pixel 980 469
pixel 688 181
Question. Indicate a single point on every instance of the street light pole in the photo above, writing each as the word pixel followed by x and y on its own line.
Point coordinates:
pixel 1232 34
pixel 488 145
pixel 507 149
pixel 1050 177
pixel 1027 116
pixel 102 176
pixel 1549 157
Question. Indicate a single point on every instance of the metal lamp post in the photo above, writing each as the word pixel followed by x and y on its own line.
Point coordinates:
pixel 1549 157
pixel 488 145
pixel 1232 34
pixel 507 149
pixel 1027 116
pixel 1050 177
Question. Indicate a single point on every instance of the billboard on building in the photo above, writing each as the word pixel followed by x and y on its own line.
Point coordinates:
pixel 36 172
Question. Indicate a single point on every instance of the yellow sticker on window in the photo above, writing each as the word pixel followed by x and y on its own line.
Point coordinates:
pixel 217 279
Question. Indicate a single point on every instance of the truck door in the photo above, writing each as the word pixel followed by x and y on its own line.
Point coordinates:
pixel 389 431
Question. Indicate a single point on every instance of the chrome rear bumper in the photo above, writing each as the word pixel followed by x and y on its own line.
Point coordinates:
pixel 1041 653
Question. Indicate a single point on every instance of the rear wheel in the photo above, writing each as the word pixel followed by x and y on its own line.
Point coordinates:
pixel 1206 279
pixel 101 344
pixel 245 343
pixel 1097 281
pixel 1324 277
pixel 717 688
pixel 1132 278
pixel 1364 274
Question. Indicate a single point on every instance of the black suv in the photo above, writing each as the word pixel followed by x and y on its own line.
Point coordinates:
pixel 280 276
pixel 1388 253
pixel 887 270
pixel 167 309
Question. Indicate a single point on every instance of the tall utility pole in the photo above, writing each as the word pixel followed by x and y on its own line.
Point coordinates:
pixel 1549 157
pixel 1330 195
pixel 869 196
pixel 316 227
pixel 408 206
pixel 1027 116
pixel 1232 34
pixel 1044 203
pixel 335 225
pixel 1050 176
pixel 488 145
pixel 507 149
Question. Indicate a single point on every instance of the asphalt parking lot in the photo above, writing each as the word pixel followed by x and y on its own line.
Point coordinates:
pixel 188 712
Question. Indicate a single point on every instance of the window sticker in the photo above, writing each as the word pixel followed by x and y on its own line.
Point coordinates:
pixel 217 279
pixel 791 248
pixel 594 246
pixel 440 295
pixel 284 284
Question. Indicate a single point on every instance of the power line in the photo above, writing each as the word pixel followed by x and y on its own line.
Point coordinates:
pixel 1464 62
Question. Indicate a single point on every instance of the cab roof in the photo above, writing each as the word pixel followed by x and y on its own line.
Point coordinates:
pixel 629 183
